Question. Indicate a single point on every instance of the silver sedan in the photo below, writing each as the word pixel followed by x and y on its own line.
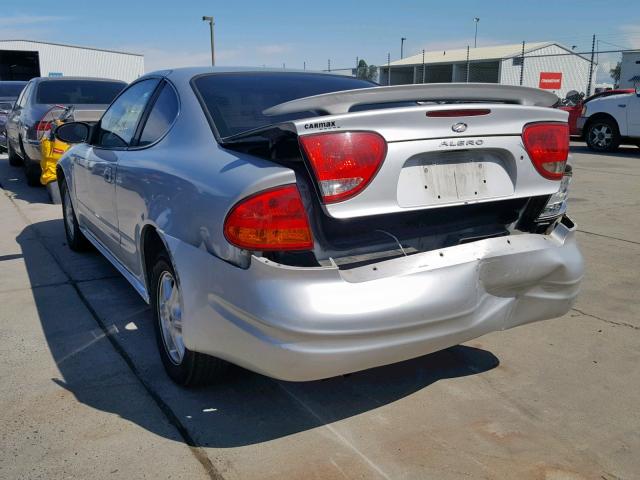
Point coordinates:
pixel 305 225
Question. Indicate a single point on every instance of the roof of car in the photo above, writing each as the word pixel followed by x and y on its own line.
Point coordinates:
pixel 186 73
pixel 64 79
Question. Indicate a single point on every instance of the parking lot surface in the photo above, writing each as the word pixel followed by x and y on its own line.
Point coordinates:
pixel 84 394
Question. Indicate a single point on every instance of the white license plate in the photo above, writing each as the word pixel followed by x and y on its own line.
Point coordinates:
pixel 453 178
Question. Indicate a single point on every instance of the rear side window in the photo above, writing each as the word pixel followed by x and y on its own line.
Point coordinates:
pixel 119 123
pixel 69 92
pixel 235 101
pixel 161 117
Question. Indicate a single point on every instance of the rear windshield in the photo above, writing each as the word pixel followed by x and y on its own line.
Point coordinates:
pixel 11 89
pixel 235 101
pixel 68 92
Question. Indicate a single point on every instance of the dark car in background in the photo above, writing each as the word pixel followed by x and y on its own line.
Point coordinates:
pixel 25 126
pixel 9 92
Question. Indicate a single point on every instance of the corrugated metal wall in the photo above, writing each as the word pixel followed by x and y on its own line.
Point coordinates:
pixel 78 61
pixel 574 69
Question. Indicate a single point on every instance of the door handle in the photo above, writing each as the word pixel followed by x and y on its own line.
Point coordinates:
pixel 108 175
pixel 622 105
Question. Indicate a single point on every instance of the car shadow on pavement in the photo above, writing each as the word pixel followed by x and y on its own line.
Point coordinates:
pixel 88 299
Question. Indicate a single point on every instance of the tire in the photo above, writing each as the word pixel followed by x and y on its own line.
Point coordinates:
pixel 184 367
pixel 32 171
pixel 14 158
pixel 75 238
pixel 603 135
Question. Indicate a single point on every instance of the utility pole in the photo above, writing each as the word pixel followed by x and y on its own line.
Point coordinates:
pixel 402 47
pixel 475 38
pixel 467 63
pixel 593 50
pixel 423 66
pixel 211 24
pixel 329 65
pixel 522 65
pixel 388 68
pixel 304 65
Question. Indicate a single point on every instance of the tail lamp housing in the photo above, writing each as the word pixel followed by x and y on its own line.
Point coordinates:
pixel 344 163
pixel 273 219
pixel 548 147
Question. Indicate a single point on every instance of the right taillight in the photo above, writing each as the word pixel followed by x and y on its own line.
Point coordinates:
pixel 274 219
pixel 344 162
pixel 548 147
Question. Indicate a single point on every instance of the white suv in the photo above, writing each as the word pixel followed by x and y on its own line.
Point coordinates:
pixel 607 121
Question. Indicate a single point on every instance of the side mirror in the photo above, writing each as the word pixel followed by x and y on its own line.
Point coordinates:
pixel 73 132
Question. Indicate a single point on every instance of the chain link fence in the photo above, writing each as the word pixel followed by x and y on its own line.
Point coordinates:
pixel 565 71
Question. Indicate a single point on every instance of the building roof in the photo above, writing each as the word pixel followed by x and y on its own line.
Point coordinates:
pixel 496 52
pixel 73 46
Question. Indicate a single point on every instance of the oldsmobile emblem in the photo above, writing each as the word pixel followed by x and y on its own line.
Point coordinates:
pixel 459 127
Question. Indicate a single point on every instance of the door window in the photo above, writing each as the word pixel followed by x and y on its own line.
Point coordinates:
pixel 23 96
pixel 162 115
pixel 119 122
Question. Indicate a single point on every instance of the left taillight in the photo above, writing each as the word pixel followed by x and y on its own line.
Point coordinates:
pixel 43 126
pixel 548 147
pixel 344 162
pixel 273 219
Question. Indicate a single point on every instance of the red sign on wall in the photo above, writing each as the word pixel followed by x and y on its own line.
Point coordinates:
pixel 550 80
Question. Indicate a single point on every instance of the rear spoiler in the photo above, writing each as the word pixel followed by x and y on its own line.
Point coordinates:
pixel 336 103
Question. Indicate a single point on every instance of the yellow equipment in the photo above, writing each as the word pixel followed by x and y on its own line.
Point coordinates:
pixel 51 149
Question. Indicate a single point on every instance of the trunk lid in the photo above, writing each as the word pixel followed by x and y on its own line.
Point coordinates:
pixel 434 162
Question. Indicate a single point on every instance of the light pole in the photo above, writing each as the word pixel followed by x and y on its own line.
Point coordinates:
pixel 402 47
pixel 475 38
pixel 211 24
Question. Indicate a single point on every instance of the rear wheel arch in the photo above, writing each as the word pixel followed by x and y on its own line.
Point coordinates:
pixel 151 246
pixel 599 117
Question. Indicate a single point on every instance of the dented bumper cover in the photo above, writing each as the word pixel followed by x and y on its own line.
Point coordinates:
pixel 299 323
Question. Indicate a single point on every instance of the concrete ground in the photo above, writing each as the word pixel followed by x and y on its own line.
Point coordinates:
pixel 84 396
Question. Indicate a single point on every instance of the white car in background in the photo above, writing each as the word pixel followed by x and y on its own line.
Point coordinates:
pixel 608 121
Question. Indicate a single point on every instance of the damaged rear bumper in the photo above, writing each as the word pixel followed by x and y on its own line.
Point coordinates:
pixel 299 323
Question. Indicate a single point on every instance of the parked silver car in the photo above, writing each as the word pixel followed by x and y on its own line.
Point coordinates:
pixel 26 122
pixel 306 225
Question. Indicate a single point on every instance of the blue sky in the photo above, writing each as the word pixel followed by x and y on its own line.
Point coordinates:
pixel 253 32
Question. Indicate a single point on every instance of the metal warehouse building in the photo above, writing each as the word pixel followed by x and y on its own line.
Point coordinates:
pixel 630 69
pixel 547 65
pixel 25 59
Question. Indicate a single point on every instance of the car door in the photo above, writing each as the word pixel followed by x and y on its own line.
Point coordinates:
pixel 95 175
pixel 141 176
pixel 14 121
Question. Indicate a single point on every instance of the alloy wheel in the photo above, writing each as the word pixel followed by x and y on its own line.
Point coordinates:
pixel 169 304
pixel 601 135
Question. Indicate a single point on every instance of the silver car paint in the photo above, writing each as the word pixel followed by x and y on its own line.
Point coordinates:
pixel 311 323
pixel 306 323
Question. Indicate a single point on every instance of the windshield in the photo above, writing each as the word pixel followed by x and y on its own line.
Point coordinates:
pixel 235 101
pixel 11 89
pixel 69 92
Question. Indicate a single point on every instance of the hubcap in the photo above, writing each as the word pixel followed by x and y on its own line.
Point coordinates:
pixel 601 135
pixel 170 315
pixel 68 213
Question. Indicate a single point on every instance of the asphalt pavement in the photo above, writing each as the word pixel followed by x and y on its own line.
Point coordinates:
pixel 84 395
